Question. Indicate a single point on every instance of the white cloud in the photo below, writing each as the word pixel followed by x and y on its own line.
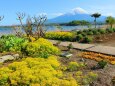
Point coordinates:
pixel 56 14
pixel 108 14
pixel 41 14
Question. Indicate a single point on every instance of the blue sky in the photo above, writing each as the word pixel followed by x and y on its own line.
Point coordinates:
pixel 52 8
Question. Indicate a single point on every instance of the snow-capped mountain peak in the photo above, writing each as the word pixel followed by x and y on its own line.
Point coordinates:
pixel 78 10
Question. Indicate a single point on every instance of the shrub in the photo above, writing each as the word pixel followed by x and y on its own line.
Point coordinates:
pixel 11 43
pixel 102 31
pixel 96 32
pixel 40 48
pixel 87 78
pixel 79 37
pixel 102 64
pixel 70 46
pixel 83 34
pixel 73 66
pixel 110 30
pixel 64 36
pixel 114 29
pixel 90 33
pixel 87 39
pixel 35 72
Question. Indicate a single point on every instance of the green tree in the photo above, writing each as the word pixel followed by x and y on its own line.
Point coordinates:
pixel 95 15
pixel 110 20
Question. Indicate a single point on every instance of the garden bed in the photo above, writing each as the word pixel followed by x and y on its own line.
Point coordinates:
pixel 104 75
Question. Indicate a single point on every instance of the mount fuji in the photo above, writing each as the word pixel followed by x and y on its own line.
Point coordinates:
pixel 76 14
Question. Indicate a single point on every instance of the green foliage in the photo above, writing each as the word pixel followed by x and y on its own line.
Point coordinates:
pixel 102 31
pixel 87 39
pixel 64 36
pixel 110 30
pixel 73 66
pixel 90 33
pixel 85 79
pixel 96 32
pixel 82 22
pixel 110 20
pixel 70 46
pixel 79 37
pixel 40 48
pixel 102 64
pixel 11 43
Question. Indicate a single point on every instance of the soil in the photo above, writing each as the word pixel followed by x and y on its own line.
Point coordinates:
pixel 106 39
pixel 104 75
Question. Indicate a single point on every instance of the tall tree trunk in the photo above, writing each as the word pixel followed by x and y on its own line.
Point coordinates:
pixel 95 22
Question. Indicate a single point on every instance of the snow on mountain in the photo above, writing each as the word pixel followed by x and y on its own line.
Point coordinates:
pixel 75 14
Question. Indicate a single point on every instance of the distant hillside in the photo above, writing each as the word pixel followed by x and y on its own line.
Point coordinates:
pixel 76 14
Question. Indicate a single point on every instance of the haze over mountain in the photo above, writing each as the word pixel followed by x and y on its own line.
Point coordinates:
pixel 76 14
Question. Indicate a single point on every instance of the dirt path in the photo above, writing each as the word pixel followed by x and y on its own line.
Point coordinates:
pixel 109 50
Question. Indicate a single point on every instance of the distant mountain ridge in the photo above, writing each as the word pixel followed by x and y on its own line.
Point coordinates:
pixel 76 14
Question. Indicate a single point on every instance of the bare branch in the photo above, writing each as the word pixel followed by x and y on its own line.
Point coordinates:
pixel 21 16
pixel 1 18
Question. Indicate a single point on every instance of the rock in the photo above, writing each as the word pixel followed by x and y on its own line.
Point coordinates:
pixel 6 58
pixel 16 56
pixel 66 54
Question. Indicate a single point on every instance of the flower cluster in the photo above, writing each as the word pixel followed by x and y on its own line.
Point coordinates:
pixel 98 57
pixel 64 36
pixel 35 72
pixel 40 48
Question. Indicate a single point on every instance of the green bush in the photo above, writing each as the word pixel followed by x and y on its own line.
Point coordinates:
pixel 70 46
pixel 114 29
pixel 11 43
pixel 64 36
pixel 102 31
pixel 90 33
pixel 79 37
pixel 96 32
pixel 73 66
pixel 102 64
pixel 40 48
pixel 110 30
pixel 87 39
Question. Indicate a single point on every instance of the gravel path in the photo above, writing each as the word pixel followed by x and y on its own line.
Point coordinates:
pixel 89 47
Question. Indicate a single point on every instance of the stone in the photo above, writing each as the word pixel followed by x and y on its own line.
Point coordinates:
pixel 66 54
pixel 6 58
pixel 16 56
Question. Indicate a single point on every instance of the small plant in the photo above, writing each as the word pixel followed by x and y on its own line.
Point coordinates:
pixel 86 79
pixel 79 37
pixel 73 66
pixel 96 32
pixel 110 30
pixel 90 33
pixel 102 64
pixel 102 31
pixel 87 39
pixel 70 46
